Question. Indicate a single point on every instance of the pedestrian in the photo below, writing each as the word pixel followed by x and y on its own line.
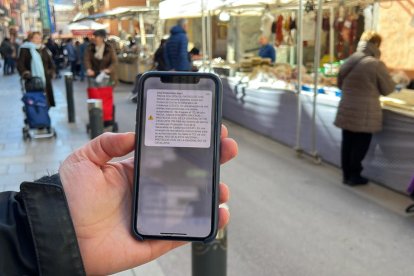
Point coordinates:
pixel 35 60
pixel 72 57
pixel 176 48
pixel 159 61
pixel 77 222
pixel 82 49
pixel 363 79
pixel 78 60
pixel 15 47
pixel 100 57
pixel 54 49
pixel 6 50
pixel 266 49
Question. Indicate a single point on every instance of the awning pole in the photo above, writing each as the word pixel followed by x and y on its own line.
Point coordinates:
pixel 142 30
pixel 203 33
pixel 209 41
pixel 331 36
pixel 316 66
pixel 299 83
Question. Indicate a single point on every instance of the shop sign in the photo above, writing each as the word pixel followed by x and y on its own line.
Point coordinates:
pixel 45 14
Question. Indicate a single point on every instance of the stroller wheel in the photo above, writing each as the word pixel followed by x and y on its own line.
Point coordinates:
pixel 115 127
pixel 410 209
pixel 26 135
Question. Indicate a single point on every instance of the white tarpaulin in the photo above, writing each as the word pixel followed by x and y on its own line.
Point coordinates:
pixel 86 25
pixel 187 8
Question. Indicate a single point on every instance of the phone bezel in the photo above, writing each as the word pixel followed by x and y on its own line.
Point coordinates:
pixel 216 155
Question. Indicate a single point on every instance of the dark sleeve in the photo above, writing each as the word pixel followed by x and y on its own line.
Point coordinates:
pixel 37 236
pixel 184 61
pixel 273 54
pixel 166 57
pixel 50 63
pixel 24 61
pixel 114 59
pixel 87 58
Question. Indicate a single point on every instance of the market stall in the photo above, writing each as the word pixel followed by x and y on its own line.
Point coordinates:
pixel 137 45
pixel 297 106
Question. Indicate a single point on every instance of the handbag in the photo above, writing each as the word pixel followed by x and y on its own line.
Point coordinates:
pixel 34 84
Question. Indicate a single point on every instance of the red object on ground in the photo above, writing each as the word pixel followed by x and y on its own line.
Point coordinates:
pixel 106 95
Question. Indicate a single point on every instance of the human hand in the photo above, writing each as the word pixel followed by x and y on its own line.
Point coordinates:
pixel 107 71
pixel 99 195
pixel 90 73
pixel 27 75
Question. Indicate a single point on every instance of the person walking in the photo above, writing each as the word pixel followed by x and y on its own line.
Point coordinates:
pixel 13 60
pixel 159 60
pixel 100 57
pixel 176 48
pixel 72 57
pixel 6 50
pixel 35 60
pixel 82 50
pixel 363 79
pixel 54 49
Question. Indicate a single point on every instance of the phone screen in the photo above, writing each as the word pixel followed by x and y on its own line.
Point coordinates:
pixel 177 157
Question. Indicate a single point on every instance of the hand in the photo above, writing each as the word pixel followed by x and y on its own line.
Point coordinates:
pixel 99 195
pixel 90 73
pixel 107 71
pixel 27 75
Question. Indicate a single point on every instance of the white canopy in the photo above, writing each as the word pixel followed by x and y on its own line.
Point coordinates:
pixel 86 25
pixel 187 8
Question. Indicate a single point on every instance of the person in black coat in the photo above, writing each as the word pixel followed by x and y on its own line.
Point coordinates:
pixel 78 222
pixel 159 60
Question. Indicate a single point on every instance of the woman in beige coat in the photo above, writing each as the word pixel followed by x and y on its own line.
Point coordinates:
pixel 363 79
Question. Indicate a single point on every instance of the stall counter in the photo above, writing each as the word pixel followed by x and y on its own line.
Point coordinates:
pixel 273 112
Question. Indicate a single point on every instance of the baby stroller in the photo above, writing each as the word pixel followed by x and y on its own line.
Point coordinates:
pixel 37 123
pixel 103 90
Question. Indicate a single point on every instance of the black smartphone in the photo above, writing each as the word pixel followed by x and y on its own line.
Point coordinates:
pixel 177 166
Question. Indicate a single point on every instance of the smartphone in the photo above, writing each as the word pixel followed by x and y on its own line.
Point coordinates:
pixel 177 166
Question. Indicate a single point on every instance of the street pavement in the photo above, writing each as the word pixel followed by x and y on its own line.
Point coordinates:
pixel 289 216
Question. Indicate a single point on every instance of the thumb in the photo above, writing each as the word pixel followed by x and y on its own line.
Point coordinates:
pixel 106 147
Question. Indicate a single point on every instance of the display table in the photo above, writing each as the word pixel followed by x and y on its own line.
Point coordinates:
pixel 273 113
pixel 130 66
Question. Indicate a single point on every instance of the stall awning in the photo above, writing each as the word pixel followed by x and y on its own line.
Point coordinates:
pixel 120 12
pixel 85 27
pixel 170 9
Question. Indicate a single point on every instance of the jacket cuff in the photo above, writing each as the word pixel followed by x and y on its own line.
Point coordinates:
pixel 51 226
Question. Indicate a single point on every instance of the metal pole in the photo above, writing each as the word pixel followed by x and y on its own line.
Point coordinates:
pixel 299 68
pixel 209 40
pixel 210 259
pixel 96 125
pixel 331 36
pixel 69 97
pixel 142 30
pixel 131 27
pixel 316 66
pixel 203 31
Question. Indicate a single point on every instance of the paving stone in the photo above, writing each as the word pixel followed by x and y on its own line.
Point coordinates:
pixel 16 168
pixel 42 167
pixel 4 169
pixel 17 159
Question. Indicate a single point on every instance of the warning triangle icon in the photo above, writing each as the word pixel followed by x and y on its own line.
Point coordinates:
pixel 150 118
